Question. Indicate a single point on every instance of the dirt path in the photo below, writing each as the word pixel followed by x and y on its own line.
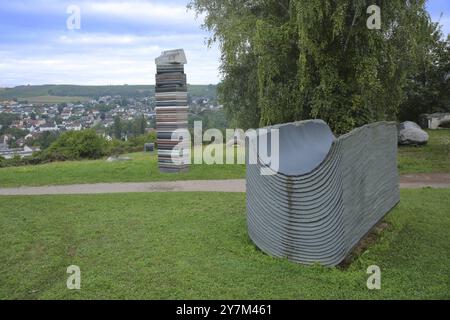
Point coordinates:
pixel 433 180
pixel 166 186
pixel 421 180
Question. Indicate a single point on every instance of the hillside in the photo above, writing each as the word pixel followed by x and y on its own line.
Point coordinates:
pixel 76 92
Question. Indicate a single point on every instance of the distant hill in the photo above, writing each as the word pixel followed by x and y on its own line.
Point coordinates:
pixel 126 91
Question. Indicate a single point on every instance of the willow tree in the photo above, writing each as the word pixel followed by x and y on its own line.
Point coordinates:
pixel 286 60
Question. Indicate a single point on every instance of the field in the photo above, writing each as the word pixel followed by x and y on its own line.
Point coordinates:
pixel 44 93
pixel 25 92
pixel 434 157
pixel 54 99
pixel 195 246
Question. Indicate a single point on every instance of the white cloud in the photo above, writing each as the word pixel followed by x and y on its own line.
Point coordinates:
pixel 141 11
pixel 116 39
pixel 113 61
pixel 99 53
pixel 144 11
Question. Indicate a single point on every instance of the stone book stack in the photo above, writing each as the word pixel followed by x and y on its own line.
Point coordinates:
pixel 171 111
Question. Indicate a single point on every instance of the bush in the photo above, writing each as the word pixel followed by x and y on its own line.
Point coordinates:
pixel 134 144
pixel 13 162
pixel 76 145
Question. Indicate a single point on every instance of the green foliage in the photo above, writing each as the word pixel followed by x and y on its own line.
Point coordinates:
pixel 78 145
pixel 15 132
pixel 122 128
pixel 139 126
pixel 140 140
pixel 133 144
pixel 117 128
pixel 286 60
pixel 45 139
pixel 74 145
pixel 6 119
pixel 210 119
pixel 204 91
pixel 428 90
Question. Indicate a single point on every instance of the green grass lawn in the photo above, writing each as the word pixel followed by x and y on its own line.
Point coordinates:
pixel 434 157
pixel 195 245
pixel 143 167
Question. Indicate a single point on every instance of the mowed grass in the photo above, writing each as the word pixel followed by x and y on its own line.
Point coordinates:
pixel 195 246
pixel 433 157
pixel 142 167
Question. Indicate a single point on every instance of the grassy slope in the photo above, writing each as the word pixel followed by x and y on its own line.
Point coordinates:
pixel 24 92
pixel 196 246
pixel 59 91
pixel 434 157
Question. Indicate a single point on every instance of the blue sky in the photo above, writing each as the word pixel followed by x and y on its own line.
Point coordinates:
pixel 117 43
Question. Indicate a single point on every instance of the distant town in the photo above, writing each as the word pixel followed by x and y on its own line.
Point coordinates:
pixel 25 127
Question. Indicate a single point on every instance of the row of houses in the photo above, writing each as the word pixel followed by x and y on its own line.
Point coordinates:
pixel 41 118
pixel 9 153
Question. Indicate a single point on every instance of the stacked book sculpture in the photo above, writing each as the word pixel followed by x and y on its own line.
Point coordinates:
pixel 327 192
pixel 171 111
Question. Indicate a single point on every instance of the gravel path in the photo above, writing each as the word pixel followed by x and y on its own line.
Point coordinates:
pixel 166 186
pixel 421 180
pixel 433 180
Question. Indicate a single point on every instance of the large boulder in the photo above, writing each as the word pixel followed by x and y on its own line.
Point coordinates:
pixel 410 133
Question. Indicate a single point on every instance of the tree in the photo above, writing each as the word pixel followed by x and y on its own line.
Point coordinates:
pixel 139 126
pixel 16 133
pixel 74 145
pixel 286 60
pixel 6 119
pixel 45 139
pixel 61 107
pixel 428 89
pixel 117 128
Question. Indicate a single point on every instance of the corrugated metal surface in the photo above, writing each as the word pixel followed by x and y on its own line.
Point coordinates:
pixel 317 210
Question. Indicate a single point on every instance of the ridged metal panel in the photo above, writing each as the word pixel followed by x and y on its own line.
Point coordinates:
pixel 317 210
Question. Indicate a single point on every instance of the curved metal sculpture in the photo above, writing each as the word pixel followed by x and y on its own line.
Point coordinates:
pixel 327 192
